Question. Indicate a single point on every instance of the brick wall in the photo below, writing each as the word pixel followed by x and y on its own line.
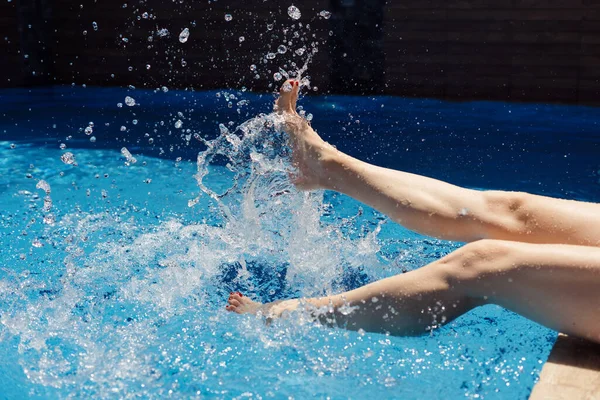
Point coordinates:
pixel 536 50
pixel 532 50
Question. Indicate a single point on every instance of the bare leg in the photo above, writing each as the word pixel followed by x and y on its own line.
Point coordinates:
pixel 434 207
pixel 555 285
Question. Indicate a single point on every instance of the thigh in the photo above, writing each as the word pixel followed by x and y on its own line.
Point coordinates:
pixel 555 285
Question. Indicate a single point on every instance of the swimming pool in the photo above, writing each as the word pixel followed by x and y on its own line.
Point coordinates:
pixel 115 273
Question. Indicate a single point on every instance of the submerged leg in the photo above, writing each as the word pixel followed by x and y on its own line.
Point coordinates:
pixel 433 207
pixel 555 285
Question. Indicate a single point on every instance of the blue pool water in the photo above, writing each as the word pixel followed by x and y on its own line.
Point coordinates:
pixel 114 275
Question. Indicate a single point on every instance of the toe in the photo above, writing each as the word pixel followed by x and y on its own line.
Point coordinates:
pixel 235 296
pixel 284 103
pixel 230 308
pixel 295 91
pixel 234 302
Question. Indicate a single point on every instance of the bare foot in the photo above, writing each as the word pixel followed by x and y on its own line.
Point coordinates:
pixel 310 152
pixel 240 304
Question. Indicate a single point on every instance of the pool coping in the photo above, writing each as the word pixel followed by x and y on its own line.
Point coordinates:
pixel 571 372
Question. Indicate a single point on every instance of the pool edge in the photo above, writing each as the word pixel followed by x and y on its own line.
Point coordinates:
pixel 571 372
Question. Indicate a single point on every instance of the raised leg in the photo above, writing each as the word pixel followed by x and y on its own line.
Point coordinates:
pixel 433 207
pixel 555 285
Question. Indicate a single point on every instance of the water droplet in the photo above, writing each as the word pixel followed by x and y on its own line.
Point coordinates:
pixel 253 67
pixel 325 14
pixel 183 62
pixel 148 66
pixel 68 158
pixel 130 159
pixel 271 56
pixel 178 124
pixel 84 33
pixel 145 15
pixel 294 12
pixel 300 51
pixel 184 35
pixel 277 76
pixel 95 25
pixel 228 17
pixel 130 101
pixel 37 243
pixel 281 49
pixel 270 27
pixel 43 185
pixel 242 39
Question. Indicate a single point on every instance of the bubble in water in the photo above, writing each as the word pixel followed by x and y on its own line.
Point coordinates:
pixel 270 27
pixel 325 14
pixel 164 89
pixel 12 145
pixel 63 146
pixel 130 101
pixel 130 159
pixel 95 25
pixel 89 130
pixel 300 51
pixel 183 62
pixel 228 17
pixel 277 76
pixel 253 67
pixel 93 139
pixel 242 39
pixel 123 128
pixel 281 49
pixel 68 158
pixel 120 105
pixel 37 243
pixel 49 219
pixel 135 122
pixel 145 15
pixel 294 12
pixel 148 66
pixel 43 185
pixel 184 35
pixel 271 56
pixel 163 32
pixel 178 124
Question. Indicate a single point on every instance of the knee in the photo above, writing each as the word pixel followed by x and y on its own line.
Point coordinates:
pixel 477 260
pixel 508 210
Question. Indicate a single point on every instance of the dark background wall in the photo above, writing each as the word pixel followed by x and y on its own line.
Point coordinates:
pixel 533 50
